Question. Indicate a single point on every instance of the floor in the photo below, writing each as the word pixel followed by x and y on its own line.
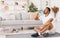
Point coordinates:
pixel 57 35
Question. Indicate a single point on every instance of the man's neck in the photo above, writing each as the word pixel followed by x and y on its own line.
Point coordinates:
pixel 46 14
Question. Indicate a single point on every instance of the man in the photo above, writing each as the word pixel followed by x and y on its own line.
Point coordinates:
pixel 47 26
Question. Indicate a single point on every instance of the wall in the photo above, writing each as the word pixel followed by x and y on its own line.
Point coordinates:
pixel 37 3
pixel 57 3
pixel 41 4
pixel 9 7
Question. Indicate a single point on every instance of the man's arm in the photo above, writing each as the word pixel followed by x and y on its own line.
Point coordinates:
pixel 50 20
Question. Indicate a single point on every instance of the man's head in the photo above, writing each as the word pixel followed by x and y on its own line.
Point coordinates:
pixel 47 10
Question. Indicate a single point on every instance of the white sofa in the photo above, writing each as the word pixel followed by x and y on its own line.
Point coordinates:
pixel 24 23
pixel 21 19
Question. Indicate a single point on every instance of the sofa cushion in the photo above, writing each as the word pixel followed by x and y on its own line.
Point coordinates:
pixel 25 16
pixel 10 17
pixel 18 16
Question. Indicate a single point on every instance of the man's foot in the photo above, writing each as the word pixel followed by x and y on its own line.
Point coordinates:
pixel 35 35
pixel 46 34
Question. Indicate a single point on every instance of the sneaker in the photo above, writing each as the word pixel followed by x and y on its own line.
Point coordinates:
pixel 46 34
pixel 35 35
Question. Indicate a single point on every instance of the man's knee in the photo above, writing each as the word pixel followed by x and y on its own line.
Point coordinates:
pixel 50 26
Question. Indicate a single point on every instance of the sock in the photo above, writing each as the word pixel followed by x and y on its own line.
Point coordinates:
pixel 39 33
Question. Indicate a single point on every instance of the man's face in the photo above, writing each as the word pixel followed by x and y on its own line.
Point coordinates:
pixel 46 11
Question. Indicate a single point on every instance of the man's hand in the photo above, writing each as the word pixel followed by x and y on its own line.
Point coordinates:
pixel 50 20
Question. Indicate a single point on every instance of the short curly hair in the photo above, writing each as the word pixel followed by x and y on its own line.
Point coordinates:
pixel 48 9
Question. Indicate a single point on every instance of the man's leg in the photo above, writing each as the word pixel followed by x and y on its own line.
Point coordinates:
pixel 37 29
pixel 47 26
pixel 40 30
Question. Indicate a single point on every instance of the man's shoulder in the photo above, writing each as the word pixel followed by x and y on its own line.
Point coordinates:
pixel 51 16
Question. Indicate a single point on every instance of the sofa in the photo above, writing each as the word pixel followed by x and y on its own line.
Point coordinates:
pixel 20 20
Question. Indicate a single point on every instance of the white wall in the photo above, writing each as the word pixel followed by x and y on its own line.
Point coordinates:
pixel 45 3
pixel 37 3
pixel 57 3
pixel 41 4
pixel 12 8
